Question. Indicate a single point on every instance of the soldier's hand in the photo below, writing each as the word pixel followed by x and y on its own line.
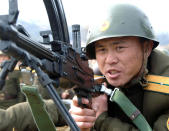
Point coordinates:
pixel 99 104
pixel 84 117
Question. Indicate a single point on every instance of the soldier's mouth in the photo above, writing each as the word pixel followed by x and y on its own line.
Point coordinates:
pixel 113 74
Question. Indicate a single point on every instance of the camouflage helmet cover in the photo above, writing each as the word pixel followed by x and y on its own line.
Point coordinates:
pixel 120 20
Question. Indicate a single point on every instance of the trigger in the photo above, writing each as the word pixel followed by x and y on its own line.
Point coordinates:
pixel 80 103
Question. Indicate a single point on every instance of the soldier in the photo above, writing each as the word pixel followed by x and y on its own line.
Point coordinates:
pixel 10 94
pixel 123 45
pixel 19 117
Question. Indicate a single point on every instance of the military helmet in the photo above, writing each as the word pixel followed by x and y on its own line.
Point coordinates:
pixel 120 20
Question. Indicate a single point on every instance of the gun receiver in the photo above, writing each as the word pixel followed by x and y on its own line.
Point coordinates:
pixel 62 62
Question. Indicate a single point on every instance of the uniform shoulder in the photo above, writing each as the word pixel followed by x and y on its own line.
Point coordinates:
pixel 158 84
pixel 158 63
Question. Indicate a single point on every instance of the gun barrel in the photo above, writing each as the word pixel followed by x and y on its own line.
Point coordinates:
pixel 8 32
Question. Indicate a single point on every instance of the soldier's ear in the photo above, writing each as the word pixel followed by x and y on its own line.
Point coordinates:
pixel 148 46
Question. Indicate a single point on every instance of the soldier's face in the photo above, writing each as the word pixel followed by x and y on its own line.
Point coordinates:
pixel 119 59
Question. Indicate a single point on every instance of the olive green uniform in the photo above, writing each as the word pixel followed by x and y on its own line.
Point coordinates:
pixel 154 106
pixel 18 116
pixel 11 94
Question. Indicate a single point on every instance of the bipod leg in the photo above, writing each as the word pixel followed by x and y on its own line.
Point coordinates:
pixel 47 83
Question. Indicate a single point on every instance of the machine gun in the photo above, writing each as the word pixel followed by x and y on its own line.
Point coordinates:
pixel 62 60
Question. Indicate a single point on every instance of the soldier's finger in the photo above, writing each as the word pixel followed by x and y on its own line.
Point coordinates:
pixel 84 125
pixel 82 111
pixel 83 101
pixel 78 118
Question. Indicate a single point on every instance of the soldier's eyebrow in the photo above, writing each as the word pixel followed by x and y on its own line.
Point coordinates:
pixel 114 42
pixel 118 42
pixel 100 44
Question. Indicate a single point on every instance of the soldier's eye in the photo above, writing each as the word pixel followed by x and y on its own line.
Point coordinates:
pixel 100 50
pixel 120 48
